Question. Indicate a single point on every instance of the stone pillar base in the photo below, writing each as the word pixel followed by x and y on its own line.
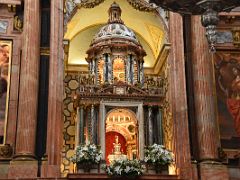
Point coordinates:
pixel 50 171
pixel 23 169
pixel 212 170
pixel 4 166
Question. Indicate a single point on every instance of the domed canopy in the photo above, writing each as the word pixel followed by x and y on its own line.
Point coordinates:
pixel 115 30
pixel 115 34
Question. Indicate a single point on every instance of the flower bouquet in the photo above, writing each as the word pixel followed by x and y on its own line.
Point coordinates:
pixel 86 155
pixel 125 167
pixel 158 156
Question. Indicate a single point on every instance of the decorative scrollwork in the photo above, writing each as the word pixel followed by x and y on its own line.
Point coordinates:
pixel 88 3
pixel 142 5
pixel 167 125
pixel 18 23
pixel 69 6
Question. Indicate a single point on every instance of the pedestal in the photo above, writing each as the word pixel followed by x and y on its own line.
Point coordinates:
pixel 211 170
pixel 23 169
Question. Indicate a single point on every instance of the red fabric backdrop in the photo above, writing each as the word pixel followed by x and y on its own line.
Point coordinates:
pixel 110 139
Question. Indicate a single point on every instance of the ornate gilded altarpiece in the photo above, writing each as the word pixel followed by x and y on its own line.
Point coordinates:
pixel 88 93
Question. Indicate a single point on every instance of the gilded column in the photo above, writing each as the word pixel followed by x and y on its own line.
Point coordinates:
pixel 55 94
pixel 28 95
pixel 177 99
pixel 205 102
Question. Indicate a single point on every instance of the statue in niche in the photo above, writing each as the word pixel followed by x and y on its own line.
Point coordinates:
pixel 117 147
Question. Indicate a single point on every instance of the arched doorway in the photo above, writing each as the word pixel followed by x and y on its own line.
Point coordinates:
pixel 121 124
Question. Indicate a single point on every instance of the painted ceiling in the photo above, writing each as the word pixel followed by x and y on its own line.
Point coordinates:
pixel 86 22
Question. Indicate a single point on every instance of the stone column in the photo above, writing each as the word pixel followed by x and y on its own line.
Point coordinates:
pixel 131 69
pixel 128 64
pixel 177 98
pixel 56 93
pixel 205 104
pixel 92 124
pixel 77 127
pixel 94 67
pixel 141 72
pixel 90 66
pixel 105 69
pixel 159 126
pixel 26 167
pixel 140 117
pixel 81 126
pixel 110 69
pixel 150 126
pixel 102 114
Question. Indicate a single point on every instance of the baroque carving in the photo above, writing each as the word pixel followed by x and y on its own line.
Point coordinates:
pixel 11 7
pixel 167 125
pixel 6 151
pixel 70 6
pixel 142 5
pixel 18 23
pixel 88 3
pixel 236 36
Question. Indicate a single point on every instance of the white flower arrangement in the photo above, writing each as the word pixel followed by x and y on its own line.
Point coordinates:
pixel 87 153
pixel 125 167
pixel 158 155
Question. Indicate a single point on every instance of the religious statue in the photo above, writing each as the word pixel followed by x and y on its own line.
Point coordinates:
pixel 117 154
pixel 117 147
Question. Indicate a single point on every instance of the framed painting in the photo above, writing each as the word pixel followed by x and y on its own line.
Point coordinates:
pixel 5 64
pixel 227 74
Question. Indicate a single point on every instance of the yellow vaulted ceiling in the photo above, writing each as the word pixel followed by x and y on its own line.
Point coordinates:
pixel 147 26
